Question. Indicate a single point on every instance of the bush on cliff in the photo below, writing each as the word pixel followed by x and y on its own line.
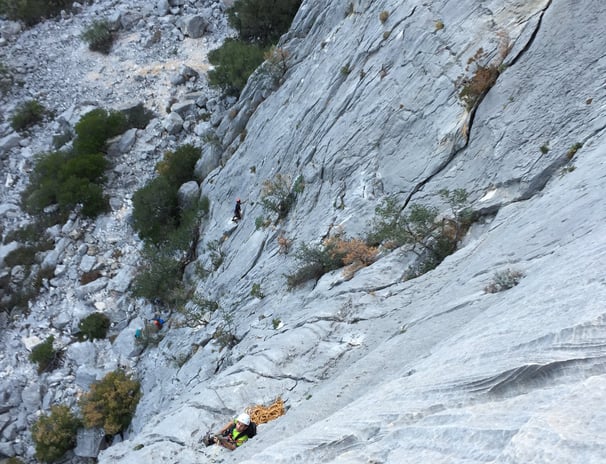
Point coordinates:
pixel 233 62
pixel 55 434
pixel 111 402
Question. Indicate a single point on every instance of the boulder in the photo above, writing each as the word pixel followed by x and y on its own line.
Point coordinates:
pixel 188 194
pixel 173 123
pixel 89 442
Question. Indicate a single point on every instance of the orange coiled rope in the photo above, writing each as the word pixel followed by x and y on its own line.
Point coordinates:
pixel 261 414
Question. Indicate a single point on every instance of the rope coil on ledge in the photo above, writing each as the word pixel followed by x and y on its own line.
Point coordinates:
pixel 261 414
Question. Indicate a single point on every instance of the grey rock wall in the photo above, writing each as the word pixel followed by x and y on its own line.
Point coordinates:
pixel 373 368
pixel 434 369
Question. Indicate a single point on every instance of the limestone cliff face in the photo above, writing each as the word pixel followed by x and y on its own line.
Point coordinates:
pixel 433 369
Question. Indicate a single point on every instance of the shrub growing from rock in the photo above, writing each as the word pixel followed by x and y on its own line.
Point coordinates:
pixel 45 355
pixel 99 37
pixel 504 280
pixel 94 326
pixel 111 402
pixel 333 253
pixel 159 276
pixel 170 231
pixel 55 434
pixel 75 177
pixel 278 195
pixel 262 21
pixel 315 261
pixel 138 116
pixel 156 212
pixel 233 62
pixel 276 63
pixel 27 115
pixel 430 239
pixel 178 166
pixel 95 128
pixel 66 179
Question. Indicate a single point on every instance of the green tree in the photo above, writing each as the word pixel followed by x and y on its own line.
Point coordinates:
pixel 233 62
pixel 95 128
pixel 431 239
pixel 156 210
pixel 159 276
pixel 178 166
pixel 94 326
pixel 262 21
pixel 87 166
pixel 78 190
pixel 67 180
pixel 111 402
pixel 55 434
pixel 387 225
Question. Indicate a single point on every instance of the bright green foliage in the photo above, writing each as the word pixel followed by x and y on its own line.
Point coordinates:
pixel 27 114
pixel 94 325
pixel 111 402
pixel 233 62
pixel 99 37
pixel 45 355
pixel 95 128
pixel 75 177
pixel 33 11
pixel 262 21
pixel 55 434
pixel 178 166
pixel 77 190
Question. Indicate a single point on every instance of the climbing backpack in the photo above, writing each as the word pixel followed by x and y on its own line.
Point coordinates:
pixel 251 431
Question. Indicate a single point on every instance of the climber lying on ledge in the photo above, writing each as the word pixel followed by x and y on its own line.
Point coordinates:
pixel 235 433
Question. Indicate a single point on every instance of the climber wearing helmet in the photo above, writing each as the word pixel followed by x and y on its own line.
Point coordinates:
pixel 237 211
pixel 236 432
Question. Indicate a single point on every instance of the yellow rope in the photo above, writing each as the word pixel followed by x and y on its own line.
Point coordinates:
pixel 261 414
